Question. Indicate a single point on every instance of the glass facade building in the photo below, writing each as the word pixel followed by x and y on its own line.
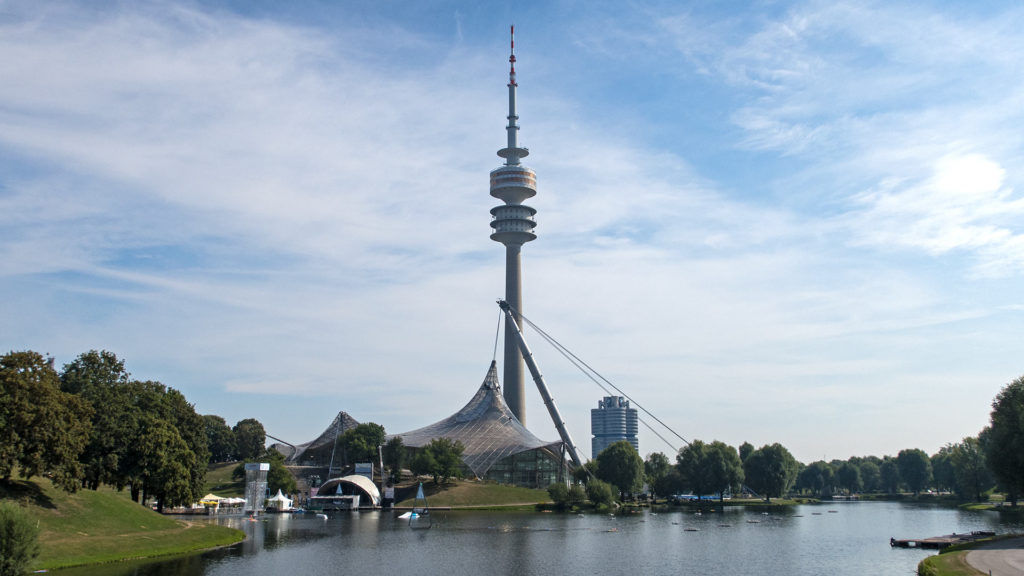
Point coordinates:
pixel 611 421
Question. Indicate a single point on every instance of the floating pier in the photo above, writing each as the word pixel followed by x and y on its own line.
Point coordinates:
pixel 940 542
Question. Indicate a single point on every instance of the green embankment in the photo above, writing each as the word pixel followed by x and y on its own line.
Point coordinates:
pixel 467 494
pixel 91 527
pixel 949 564
pixel 219 481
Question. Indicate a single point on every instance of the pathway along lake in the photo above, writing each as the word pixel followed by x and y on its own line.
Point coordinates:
pixel 839 538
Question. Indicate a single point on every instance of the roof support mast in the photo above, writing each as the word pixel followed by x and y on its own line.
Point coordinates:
pixel 541 386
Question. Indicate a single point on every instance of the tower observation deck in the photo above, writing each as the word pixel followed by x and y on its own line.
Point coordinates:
pixel 513 224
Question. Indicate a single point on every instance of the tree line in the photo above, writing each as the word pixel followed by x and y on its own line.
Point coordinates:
pixel 992 460
pixel 92 424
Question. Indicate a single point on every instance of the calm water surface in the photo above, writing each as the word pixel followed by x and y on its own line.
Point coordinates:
pixel 834 539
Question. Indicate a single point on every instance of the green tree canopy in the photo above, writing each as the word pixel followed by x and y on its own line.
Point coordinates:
pixel 816 478
pixel 250 439
pixel 970 469
pixel 746 449
pixel 942 469
pixel 713 468
pixel 889 475
pixel 656 467
pixel 915 469
pixel 43 429
pixel 770 470
pixel 220 439
pixel 442 459
pixel 848 477
pixel 870 475
pixel 621 466
pixel 360 443
pixel 100 378
pixel 1004 438
pixel 395 456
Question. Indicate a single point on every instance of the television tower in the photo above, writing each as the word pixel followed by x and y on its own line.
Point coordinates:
pixel 513 225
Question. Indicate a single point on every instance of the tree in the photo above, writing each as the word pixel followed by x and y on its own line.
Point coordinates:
pixel 656 467
pixel 889 474
pixel 279 477
pixel 870 476
pixel 746 449
pixel 600 493
pixel 44 430
pixel 915 469
pixel 713 468
pixel 448 456
pixel 1004 439
pixel 164 464
pixel 250 439
pixel 360 443
pixel 848 476
pixel 817 478
pixel 585 472
pixel 770 470
pixel 19 539
pixel 220 439
pixel 423 463
pixel 970 469
pixel 99 378
pixel 668 483
pixel 394 457
pixel 621 466
pixel 942 469
pixel 442 459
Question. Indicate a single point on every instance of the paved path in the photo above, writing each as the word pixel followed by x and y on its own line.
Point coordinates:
pixel 1000 558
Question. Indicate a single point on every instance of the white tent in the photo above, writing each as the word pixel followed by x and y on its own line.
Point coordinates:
pixel 279 501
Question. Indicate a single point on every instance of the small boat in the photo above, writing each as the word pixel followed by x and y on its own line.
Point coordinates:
pixel 321 516
pixel 419 517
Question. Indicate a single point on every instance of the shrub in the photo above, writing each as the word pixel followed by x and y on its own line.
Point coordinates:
pixel 600 492
pixel 559 494
pixel 577 494
pixel 19 540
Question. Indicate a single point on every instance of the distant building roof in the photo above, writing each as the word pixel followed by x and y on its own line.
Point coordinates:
pixel 486 428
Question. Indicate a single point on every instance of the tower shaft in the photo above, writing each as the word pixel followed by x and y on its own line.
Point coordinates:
pixel 513 224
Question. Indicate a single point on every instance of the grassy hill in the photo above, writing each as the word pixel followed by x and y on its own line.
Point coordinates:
pixel 219 481
pixel 471 494
pixel 103 526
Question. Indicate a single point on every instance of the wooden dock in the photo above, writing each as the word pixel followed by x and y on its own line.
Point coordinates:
pixel 940 542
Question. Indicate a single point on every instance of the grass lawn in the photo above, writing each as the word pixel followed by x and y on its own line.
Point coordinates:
pixel 218 481
pixel 948 564
pixel 91 527
pixel 469 494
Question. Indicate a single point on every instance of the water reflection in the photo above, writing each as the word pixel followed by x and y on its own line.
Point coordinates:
pixel 852 539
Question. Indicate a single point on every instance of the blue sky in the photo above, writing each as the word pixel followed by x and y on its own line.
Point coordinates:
pixel 794 222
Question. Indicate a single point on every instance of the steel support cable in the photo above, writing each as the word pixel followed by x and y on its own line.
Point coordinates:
pixel 568 356
pixel 589 370
pixel 565 354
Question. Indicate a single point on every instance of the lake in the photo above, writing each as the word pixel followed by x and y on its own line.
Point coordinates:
pixel 839 538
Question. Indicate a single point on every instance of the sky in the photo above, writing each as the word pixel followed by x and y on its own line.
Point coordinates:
pixel 796 222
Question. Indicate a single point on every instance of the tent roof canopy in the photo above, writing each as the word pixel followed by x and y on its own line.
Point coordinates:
pixel 486 428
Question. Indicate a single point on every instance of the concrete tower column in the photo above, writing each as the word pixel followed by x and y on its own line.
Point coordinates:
pixel 515 387
pixel 513 224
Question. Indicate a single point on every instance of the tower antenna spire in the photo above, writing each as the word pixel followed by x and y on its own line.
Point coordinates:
pixel 512 59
